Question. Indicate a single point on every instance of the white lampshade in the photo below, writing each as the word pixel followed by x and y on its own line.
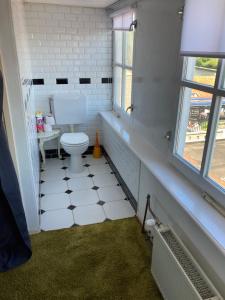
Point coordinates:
pixel 204 28
pixel 123 19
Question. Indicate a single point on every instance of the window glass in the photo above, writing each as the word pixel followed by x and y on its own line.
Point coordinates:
pixel 117 86
pixel 217 167
pixel 223 76
pixel 118 46
pixel 129 40
pixel 201 70
pixel 127 88
pixel 193 125
pixel 123 60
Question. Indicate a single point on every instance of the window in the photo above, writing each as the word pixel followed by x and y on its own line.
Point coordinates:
pixel 122 69
pixel 200 134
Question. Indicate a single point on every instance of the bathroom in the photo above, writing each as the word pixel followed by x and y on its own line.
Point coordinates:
pixel 104 157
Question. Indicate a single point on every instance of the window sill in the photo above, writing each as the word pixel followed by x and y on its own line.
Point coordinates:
pixel 185 193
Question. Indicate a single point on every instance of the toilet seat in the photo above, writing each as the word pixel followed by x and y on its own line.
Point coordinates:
pixel 74 139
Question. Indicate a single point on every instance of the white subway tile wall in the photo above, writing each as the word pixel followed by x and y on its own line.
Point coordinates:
pixel 123 158
pixel 71 42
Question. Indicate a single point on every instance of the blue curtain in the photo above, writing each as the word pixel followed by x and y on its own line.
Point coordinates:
pixel 15 248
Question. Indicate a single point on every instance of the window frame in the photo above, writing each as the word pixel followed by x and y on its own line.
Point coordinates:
pixel 200 178
pixel 122 109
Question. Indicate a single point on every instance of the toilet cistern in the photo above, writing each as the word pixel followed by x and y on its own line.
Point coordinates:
pixel 70 109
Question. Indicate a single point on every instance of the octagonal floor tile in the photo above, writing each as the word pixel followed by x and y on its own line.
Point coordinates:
pixel 118 210
pixel 56 219
pixel 90 214
pixel 55 201
pixel 84 197
pixel 111 193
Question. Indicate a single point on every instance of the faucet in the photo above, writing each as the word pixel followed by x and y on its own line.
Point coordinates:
pixel 131 108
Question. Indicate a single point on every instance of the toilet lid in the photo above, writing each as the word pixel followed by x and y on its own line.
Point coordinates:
pixel 74 138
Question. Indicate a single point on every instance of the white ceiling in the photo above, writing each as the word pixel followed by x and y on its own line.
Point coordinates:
pixel 84 3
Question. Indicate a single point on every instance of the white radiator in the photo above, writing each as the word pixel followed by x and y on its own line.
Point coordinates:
pixel 177 274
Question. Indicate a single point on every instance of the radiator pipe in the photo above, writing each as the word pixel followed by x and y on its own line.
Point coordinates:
pixel 148 207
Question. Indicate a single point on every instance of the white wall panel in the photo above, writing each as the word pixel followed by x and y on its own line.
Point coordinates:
pixel 21 115
pixel 156 69
pixel 27 90
pixel 123 158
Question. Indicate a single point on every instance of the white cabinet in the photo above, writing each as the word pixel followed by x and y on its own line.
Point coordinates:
pixel 123 158
pixel 149 185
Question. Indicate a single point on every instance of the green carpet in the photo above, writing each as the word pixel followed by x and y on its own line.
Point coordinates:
pixel 103 261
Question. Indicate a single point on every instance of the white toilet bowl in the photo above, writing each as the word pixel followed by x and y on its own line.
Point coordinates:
pixel 75 143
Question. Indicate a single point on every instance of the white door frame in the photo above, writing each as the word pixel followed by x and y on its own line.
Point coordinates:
pixel 17 114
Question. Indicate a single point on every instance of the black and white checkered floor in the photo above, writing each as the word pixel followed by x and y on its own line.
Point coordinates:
pixel 93 196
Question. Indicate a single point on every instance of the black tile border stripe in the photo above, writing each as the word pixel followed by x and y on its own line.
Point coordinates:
pixel 61 80
pixel 85 80
pixel 53 153
pixel 38 81
pixel 106 80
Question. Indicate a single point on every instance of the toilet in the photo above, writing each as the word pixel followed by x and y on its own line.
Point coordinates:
pixel 70 109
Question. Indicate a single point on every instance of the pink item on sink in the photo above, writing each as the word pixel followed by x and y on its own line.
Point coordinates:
pixel 39 122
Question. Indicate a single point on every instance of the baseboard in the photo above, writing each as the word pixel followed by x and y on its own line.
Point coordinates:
pixel 53 153
pixel 34 232
pixel 122 183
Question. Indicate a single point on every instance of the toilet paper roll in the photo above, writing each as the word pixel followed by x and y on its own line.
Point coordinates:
pixel 50 120
pixel 47 127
